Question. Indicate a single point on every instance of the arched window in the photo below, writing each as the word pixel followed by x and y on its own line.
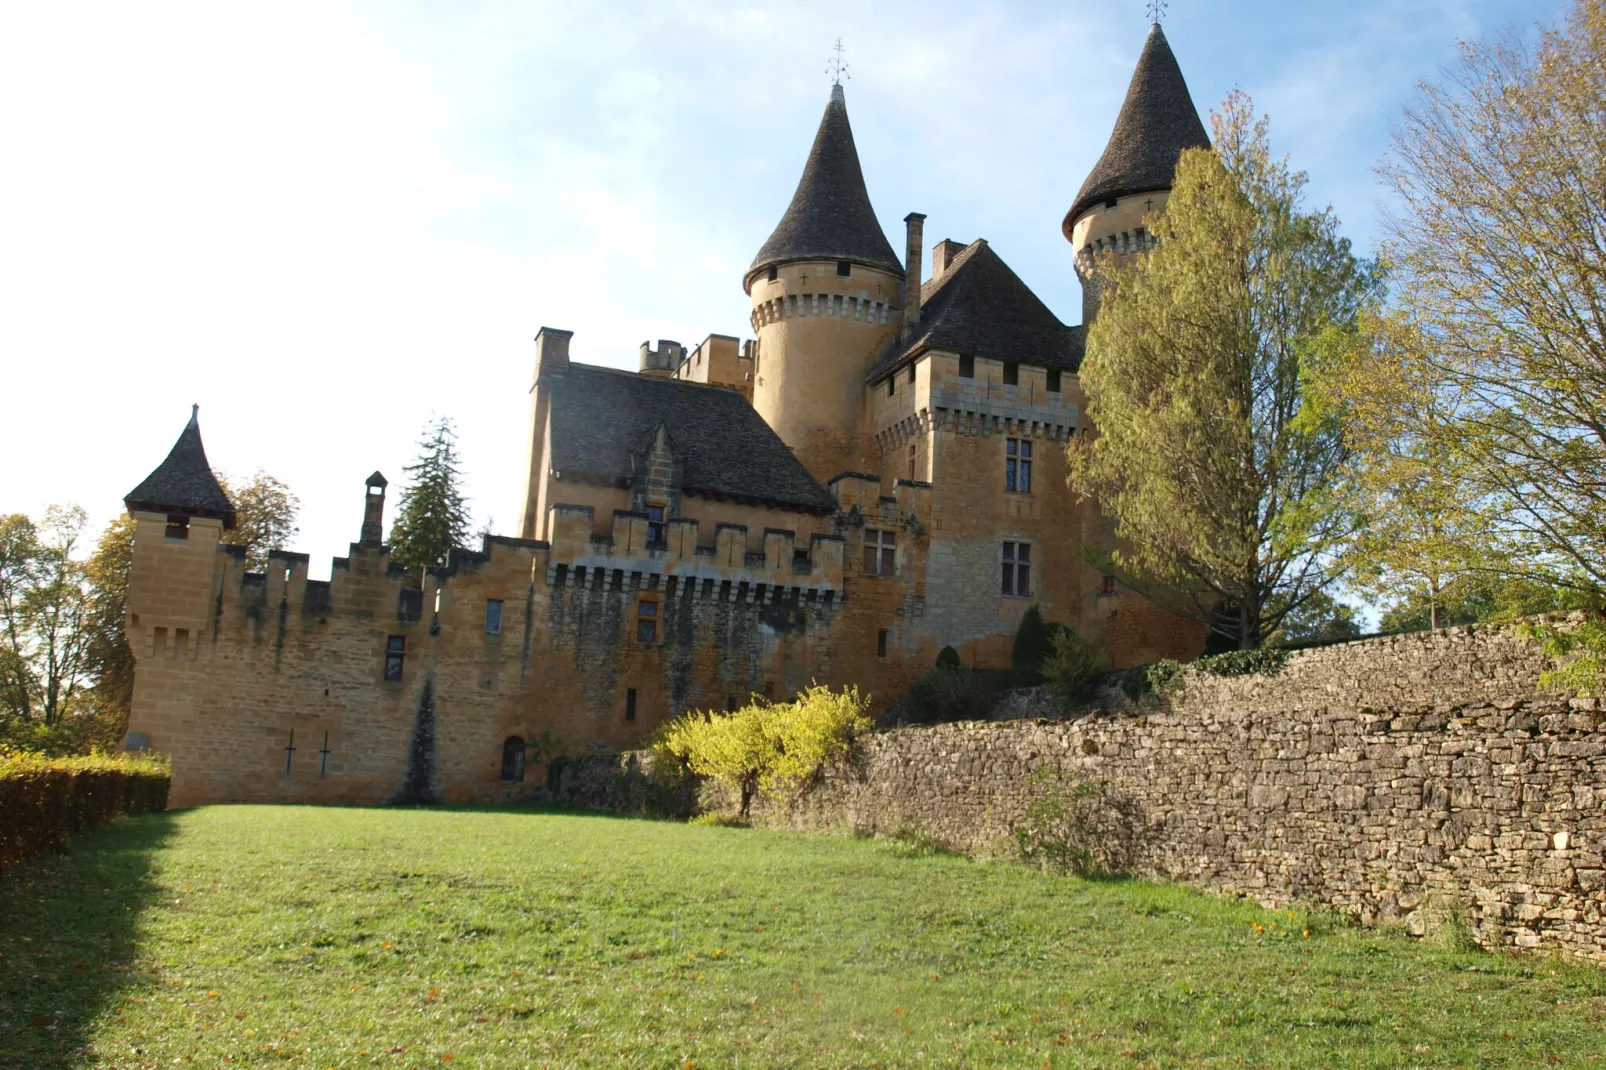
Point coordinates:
pixel 513 758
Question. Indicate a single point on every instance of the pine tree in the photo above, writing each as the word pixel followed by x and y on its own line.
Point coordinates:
pixel 1225 482
pixel 432 517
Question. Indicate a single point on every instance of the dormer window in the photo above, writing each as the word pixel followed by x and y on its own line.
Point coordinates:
pixel 1011 373
pixel 1109 202
pixel 656 528
pixel 844 269
pixel 967 366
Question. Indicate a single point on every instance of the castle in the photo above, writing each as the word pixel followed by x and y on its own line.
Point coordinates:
pixel 877 474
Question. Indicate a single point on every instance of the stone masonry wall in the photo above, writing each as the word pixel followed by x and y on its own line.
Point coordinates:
pixel 1388 779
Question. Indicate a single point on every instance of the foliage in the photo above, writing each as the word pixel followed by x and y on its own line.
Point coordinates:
pixel 1034 640
pixel 1075 828
pixel 1075 665
pixel 1224 479
pixel 1481 412
pixel 432 518
pixel 948 658
pixel 1321 619
pixel 44 800
pixel 719 820
pixel 265 511
pixel 1162 675
pixel 1474 598
pixel 945 695
pixel 1267 661
pixel 44 638
pixel 769 747
pixel 105 710
pixel 1580 654
pixel 590 941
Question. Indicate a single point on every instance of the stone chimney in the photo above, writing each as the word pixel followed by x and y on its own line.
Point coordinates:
pixel 913 255
pixel 373 512
pixel 551 350
pixel 942 254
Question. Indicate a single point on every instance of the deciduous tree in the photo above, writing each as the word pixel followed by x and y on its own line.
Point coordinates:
pixel 265 516
pixel 1225 484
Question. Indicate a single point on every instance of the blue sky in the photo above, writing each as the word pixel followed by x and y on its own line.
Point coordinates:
pixel 327 222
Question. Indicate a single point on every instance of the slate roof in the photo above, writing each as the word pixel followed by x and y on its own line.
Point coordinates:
pixel 1157 121
pixel 980 306
pixel 601 416
pixel 184 483
pixel 830 217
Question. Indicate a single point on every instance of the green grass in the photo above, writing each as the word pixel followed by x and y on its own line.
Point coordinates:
pixel 253 936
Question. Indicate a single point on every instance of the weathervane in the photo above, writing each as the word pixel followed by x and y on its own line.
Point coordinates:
pixel 1156 10
pixel 835 67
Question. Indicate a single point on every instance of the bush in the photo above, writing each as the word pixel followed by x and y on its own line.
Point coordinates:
pixel 1034 641
pixel 1267 661
pixel 1076 828
pixel 945 695
pixel 1074 665
pixel 773 747
pixel 1578 654
pixel 44 800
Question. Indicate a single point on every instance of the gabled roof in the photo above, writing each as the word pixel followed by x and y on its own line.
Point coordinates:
pixel 601 417
pixel 830 217
pixel 1157 121
pixel 979 306
pixel 184 483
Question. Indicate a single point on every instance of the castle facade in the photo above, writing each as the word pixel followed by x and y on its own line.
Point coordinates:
pixel 878 473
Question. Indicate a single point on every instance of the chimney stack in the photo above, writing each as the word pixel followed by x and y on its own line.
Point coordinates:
pixel 913 254
pixel 943 254
pixel 551 350
pixel 373 512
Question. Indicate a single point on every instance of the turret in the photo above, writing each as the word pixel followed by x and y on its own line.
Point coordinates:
pixel 373 512
pixel 1134 176
pixel 826 293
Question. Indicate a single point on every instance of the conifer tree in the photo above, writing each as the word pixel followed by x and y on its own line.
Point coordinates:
pixel 432 517
pixel 1224 481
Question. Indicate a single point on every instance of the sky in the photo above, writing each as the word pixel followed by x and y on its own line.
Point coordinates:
pixel 329 223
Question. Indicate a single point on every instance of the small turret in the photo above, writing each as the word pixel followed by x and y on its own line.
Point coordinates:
pixel 184 485
pixel 373 512
pixel 1134 175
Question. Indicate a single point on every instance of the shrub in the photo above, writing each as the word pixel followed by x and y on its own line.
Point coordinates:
pixel 1161 675
pixel 1074 666
pixel 44 800
pixel 948 658
pixel 1579 655
pixel 944 695
pixel 1034 641
pixel 1266 661
pixel 773 747
pixel 1076 828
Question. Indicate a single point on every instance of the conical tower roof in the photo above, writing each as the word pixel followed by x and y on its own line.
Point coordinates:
pixel 184 483
pixel 830 217
pixel 1157 121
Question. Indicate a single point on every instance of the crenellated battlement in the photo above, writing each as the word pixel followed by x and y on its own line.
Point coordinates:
pixel 671 554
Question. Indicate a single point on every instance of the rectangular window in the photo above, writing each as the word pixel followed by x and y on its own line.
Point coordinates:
pixel 1011 373
pixel 395 651
pixel 1017 569
pixel 967 366
pixel 630 704
pixel 178 527
pixel 911 374
pixel 646 622
pixel 493 616
pixel 774 273
pixel 892 385
pixel 880 552
pixel 1107 585
pixel 912 461
pixel 657 530
pixel 881 643
pixel 1053 380
pixel 844 268
pixel 1018 465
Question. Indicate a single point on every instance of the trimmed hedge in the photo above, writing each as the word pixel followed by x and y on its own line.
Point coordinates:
pixel 44 800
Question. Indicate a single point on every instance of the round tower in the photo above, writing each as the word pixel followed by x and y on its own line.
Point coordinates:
pixel 826 297
pixel 1133 177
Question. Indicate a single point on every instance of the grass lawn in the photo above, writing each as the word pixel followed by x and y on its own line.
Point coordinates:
pixel 258 936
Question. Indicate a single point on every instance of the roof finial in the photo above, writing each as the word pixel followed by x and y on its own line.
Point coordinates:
pixel 1156 11
pixel 835 67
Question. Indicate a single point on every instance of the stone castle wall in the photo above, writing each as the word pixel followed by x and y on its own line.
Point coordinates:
pixel 1389 779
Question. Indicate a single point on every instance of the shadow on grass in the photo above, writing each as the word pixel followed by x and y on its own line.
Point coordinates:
pixel 68 938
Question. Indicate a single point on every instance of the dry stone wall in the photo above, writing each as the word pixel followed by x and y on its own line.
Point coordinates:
pixel 1392 779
